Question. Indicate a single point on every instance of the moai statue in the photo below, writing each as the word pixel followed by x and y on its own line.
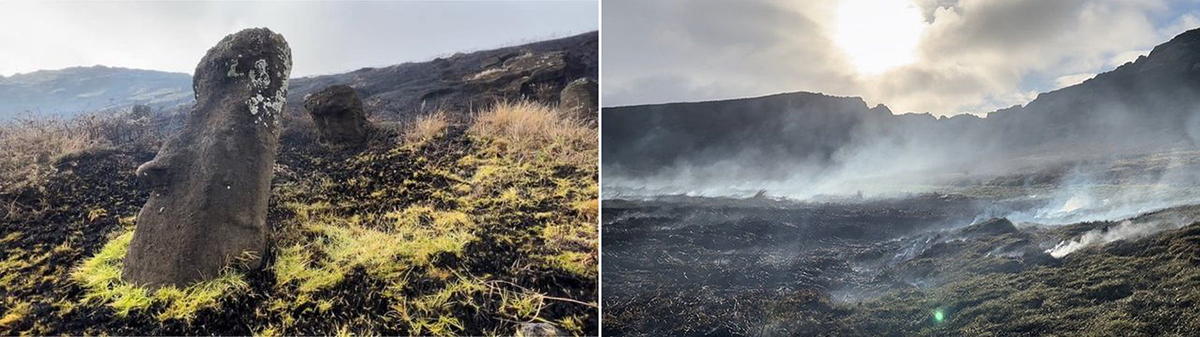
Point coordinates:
pixel 210 183
pixel 580 99
pixel 338 115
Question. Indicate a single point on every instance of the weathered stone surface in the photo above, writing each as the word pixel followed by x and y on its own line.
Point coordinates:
pixel 581 99
pixel 210 183
pixel 338 114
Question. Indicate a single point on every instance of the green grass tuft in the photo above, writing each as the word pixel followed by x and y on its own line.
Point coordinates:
pixel 100 275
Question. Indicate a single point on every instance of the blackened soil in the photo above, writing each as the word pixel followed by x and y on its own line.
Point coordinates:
pixel 716 267
pixel 68 220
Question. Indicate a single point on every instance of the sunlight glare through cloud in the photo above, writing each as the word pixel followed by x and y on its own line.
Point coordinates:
pixel 878 34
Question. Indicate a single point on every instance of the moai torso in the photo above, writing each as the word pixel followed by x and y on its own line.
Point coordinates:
pixel 210 183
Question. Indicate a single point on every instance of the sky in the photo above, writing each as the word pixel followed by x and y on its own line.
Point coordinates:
pixel 945 57
pixel 325 37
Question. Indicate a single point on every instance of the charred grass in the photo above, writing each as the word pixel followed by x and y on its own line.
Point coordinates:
pixel 447 233
pixel 988 279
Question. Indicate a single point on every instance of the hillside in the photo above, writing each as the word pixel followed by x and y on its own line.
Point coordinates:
pixel 76 90
pixel 536 71
pixel 812 215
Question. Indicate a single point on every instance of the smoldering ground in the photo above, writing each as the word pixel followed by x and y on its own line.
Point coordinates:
pixel 780 214
pixel 763 266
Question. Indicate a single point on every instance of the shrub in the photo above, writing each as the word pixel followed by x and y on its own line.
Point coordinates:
pixel 532 131
pixel 30 145
pixel 426 127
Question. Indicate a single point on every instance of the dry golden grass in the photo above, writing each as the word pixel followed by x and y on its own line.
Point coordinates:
pixel 29 147
pixel 531 131
pixel 426 127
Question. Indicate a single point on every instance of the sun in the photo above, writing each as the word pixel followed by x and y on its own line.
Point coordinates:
pixel 878 34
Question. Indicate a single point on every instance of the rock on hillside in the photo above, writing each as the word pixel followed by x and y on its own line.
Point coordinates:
pixel 338 115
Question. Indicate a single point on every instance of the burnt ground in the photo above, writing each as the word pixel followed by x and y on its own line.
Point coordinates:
pixel 714 266
pixel 49 231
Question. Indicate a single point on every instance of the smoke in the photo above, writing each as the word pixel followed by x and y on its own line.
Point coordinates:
pixel 1122 188
pixel 801 146
pixel 1090 162
pixel 1126 230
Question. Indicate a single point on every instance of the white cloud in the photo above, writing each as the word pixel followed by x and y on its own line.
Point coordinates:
pixel 973 55
pixel 1126 57
pixel 1069 80
pixel 1184 23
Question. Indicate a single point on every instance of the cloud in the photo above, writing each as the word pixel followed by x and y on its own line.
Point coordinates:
pixel 1073 79
pixel 325 37
pixel 973 56
pixel 1126 57
pixel 721 48
pixel 983 49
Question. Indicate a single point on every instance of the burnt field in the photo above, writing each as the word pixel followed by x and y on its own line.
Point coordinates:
pixel 438 228
pixel 929 264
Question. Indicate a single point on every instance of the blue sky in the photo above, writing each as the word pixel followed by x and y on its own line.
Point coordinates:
pixel 941 56
pixel 325 37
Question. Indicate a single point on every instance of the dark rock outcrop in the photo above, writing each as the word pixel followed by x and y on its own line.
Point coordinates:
pixel 581 99
pixel 465 82
pixel 338 115
pixel 210 182
pixel 529 75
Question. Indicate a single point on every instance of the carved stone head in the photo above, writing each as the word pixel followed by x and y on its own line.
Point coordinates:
pixel 210 183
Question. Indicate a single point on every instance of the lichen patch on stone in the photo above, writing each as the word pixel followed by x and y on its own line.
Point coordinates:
pixel 265 106
pixel 233 70
pixel 254 102
pixel 259 78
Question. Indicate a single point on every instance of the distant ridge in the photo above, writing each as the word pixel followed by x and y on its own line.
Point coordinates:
pixel 75 90
pixel 457 83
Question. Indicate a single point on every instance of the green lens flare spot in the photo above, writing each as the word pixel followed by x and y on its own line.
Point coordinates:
pixel 939 316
